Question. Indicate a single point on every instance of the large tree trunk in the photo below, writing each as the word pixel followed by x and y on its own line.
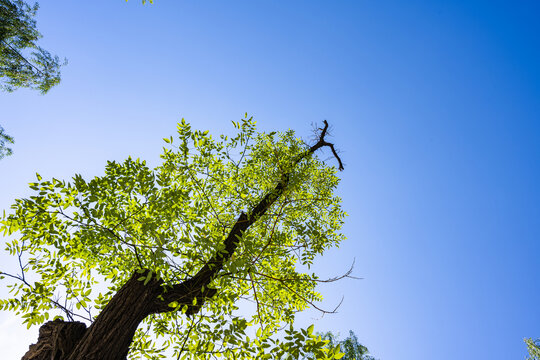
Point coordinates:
pixel 109 336
pixel 56 341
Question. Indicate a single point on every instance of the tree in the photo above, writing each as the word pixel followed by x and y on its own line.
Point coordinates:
pixel 350 346
pixel 167 256
pixel 4 140
pixel 533 348
pixel 22 62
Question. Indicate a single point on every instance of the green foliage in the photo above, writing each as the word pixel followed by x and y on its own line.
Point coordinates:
pixel 22 62
pixel 4 140
pixel 144 1
pixel 78 242
pixel 533 348
pixel 352 349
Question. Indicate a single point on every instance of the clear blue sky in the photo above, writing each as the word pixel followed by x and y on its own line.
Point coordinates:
pixel 435 106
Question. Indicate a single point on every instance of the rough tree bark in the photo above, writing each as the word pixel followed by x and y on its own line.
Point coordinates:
pixel 109 336
pixel 56 340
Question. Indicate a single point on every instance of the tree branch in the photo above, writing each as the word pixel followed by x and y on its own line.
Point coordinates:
pixel 185 292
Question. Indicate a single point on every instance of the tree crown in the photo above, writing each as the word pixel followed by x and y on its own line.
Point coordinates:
pixel 23 63
pixel 78 242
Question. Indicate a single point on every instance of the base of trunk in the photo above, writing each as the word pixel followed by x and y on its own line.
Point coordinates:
pixel 56 340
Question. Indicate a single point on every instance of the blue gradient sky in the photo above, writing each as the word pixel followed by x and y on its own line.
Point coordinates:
pixel 435 106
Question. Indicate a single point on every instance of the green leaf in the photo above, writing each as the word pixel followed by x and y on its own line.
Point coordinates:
pixel 148 278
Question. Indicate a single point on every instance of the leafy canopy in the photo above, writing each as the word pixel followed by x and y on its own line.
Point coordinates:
pixel 78 242
pixel 351 348
pixel 533 348
pixel 23 63
pixel 4 140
